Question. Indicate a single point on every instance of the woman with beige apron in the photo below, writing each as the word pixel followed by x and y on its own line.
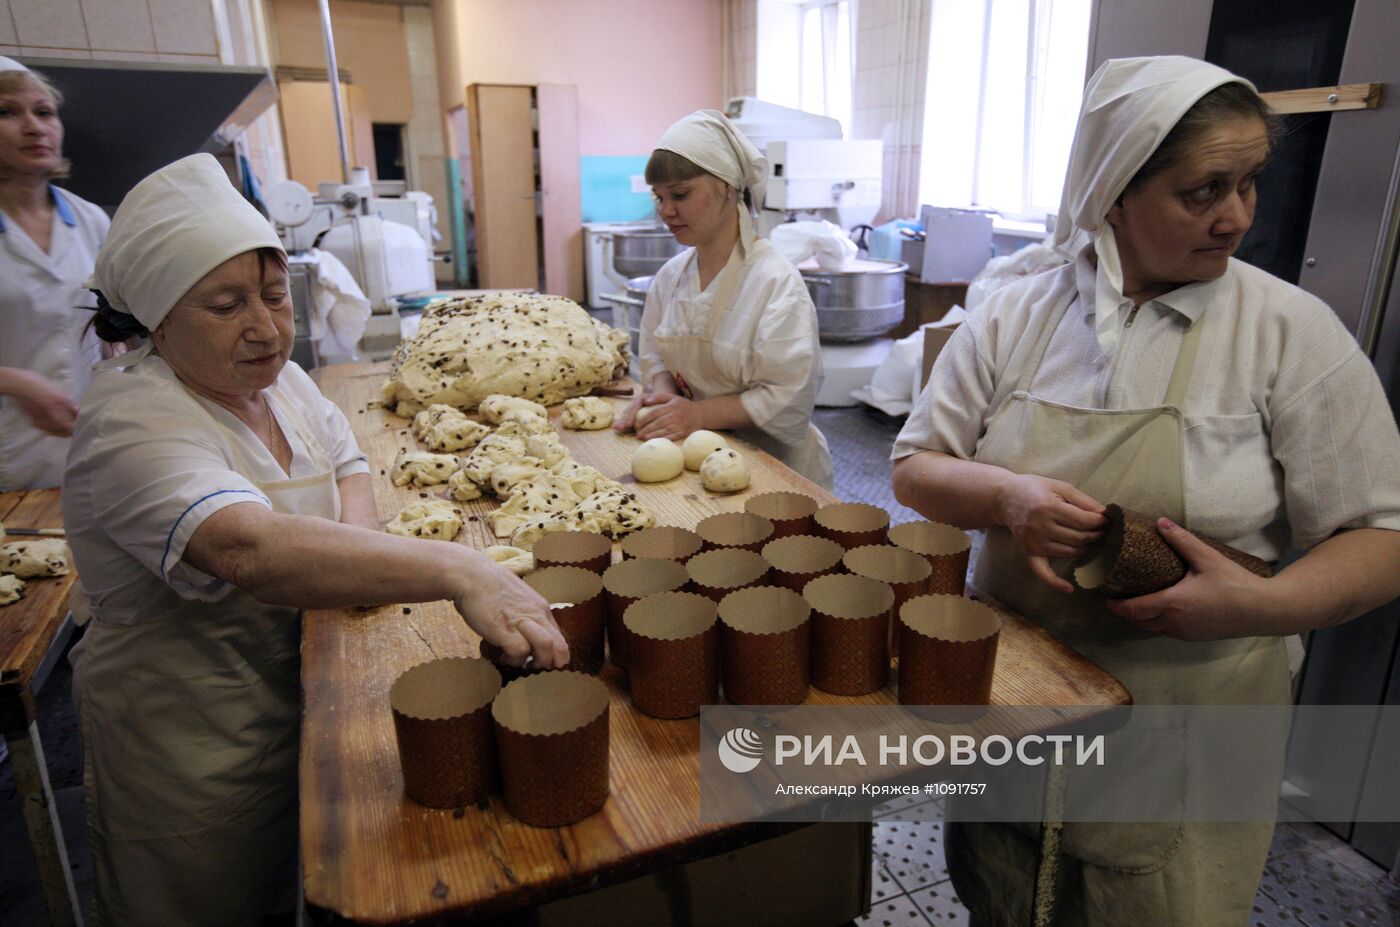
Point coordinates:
pixel 211 494
pixel 729 333
pixel 1022 410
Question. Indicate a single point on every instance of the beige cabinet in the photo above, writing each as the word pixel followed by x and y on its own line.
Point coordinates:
pixel 308 130
pixel 525 183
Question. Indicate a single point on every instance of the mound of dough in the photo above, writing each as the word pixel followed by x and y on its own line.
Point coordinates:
pixel 724 471
pixel 520 423
pixel 423 469
pixel 657 461
pixel 453 432
pixel 514 559
pixel 586 413
pixel 436 519
pixel 545 495
pixel 461 488
pixel 613 511
pixel 546 448
pixel 699 445
pixel 504 477
pixel 494 449
pixel 11 588
pixel 542 348
pixel 35 559
pixel 495 407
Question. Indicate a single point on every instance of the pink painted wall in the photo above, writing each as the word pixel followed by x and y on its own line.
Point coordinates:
pixel 639 65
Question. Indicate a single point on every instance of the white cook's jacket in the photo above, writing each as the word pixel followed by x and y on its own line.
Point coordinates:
pixel 763 347
pixel 43 314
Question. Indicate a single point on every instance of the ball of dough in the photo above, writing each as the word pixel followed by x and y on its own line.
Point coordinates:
pixel 644 414
pixel 724 471
pixel 699 445
pixel 657 461
pixel 586 413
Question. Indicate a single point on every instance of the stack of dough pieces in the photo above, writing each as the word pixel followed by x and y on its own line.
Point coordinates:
pixel 542 348
pixel 29 559
pixel 522 463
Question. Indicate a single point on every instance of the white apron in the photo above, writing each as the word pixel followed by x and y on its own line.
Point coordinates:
pixel 190 724
pixel 693 356
pixel 1119 873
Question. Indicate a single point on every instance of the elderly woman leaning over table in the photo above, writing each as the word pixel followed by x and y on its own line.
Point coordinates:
pixel 211 492
pixel 1157 372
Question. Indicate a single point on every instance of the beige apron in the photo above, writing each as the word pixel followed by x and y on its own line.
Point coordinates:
pixel 1116 873
pixel 190 725
pixel 693 356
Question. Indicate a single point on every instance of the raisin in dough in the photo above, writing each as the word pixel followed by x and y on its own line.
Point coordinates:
pixel 586 413
pixel 435 519
pixel 724 471
pixel 35 559
pixel 423 469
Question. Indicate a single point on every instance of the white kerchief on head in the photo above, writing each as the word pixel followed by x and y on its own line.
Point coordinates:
pixel 712 143
pixel 10 64
pixel 1130 105
pixel 173 228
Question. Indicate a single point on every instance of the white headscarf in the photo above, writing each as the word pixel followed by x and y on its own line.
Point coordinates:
pixel 10 64
pixel 711 141
pixel 1129 107
pixel 173 228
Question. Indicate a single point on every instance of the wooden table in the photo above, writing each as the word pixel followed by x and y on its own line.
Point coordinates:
pixel 33 633
pixel 370 855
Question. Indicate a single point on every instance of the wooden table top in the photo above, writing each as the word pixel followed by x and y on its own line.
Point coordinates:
pixel 28 626
pixel 370 855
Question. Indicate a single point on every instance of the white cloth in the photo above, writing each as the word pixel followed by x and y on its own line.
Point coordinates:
pixel 341 309
pixel 765 349
pixel 710 141
pixel 150 462
pixel 1289 436
pixel 832 248
pixel 1130 105
pixel 174 227
pixel 10 64
pixel 43 314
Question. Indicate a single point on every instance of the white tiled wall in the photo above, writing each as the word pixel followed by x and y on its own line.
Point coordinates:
pixel 742 45
pixel 888 104
pixel 175 31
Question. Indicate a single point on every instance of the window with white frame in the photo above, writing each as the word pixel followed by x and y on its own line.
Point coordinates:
pixel 805 57
pixel 1005 79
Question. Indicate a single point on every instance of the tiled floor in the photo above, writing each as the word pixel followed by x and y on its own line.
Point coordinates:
pixel 1313 879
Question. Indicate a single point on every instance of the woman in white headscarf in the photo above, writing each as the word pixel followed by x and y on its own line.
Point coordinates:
pixel 729 332
pixel 211 492
pixel 48 242
pixel 1157 372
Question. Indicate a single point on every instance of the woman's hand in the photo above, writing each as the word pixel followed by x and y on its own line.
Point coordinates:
pixel 623 422
pixel 511 615
pixel 47 407
pixel 1216 599
pixel 675 418
pixel 1049 518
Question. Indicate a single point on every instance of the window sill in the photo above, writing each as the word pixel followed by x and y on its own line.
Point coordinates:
pixel 1031 231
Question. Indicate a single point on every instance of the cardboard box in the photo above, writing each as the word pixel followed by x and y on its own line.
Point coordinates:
pixel 934 340
pixel 957 244
pixel 816 876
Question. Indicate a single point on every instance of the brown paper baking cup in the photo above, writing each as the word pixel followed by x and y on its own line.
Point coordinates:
pixel 716 573
pixel 944 547
pixel 575 596
pixel 947 651
pixel 799 559
pixel 673 650
pixel 662 543
pixel 442 716
pixel 765 646
pixel 906 572
pixel 852 524
pixel 552 739
pixel 583 549
pixel 626 582
pixel 790 512
pixel 735 529
pixel 850 633
pixel 1135 560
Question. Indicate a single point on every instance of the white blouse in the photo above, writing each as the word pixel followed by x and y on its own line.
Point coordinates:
pixel 1289 436
pixel 150 461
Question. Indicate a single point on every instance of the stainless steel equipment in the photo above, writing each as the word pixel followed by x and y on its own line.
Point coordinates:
pixel 858 304
pixel 640 252
pixel 627 308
